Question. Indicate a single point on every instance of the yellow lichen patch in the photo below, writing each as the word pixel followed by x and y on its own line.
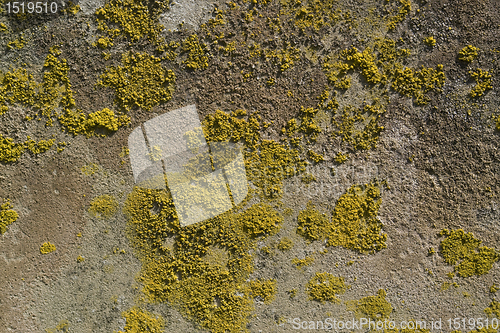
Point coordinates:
pixel 483 82
pixel 261 219
pixel 417 83
pixel 463 251
pixel 10 151
pixel 104 206
pixel 354 224
pixel 497 121
pixel 325 287
pixel 358 127
pixel 80 259
pixel 17 43
pixel 375 307
pixel 430 41
pixel 133 19
pixel 285 244
pixel 89 169
pixel 38 147
pixel 7 216
pixel 493 309
pixel 403 10
pixel 19 86
pixel 494 288
pixel 265 289
pixel 196 53
pixel 155 154
pixel 99 123
pixel 312 225
pixel 285 57
pixel 139 321
pixel 341 158
pixel 313 14
pixel 299 263
pixel 104 42
pixel 365 61
pixel 315 156
pixel 141 81
pixel 47 247
pixel 468 53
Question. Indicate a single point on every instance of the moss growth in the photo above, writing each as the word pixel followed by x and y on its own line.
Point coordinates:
pixel 196 53
pixel 324 287
pixel 375 307
pixel 468 53
pixel 265 289
pixel 312 225
pixel 483 82
pixel 141 81
pixel 354 223
pixel 104 206
pixel 7 216
pixel 285 244
pixel 493 309
pixel 47 247
pixel 139 321
pixel 463 251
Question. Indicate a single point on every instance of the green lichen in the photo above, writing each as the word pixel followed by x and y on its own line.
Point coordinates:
pixel 265 289
pixel 468 53
pixel 104 206
pixel 139 321
pixel 7 216
pixel 483 82
pixel 493 309
pixel 463 251
pixel 325 287
pixel 373 307
pixel 47 247
pixel 141 81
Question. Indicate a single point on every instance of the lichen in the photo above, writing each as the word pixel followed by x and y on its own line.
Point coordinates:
pixel 99 123
pixel 375 307
pixel 7 216
pixel 463 251
pixel 261 219
pixel 430 41
pixel 468 53
pixel 416 83
pixel 312 225
pixel 139 321
pixel 354 224
pixel 47 247
pixel 300 263
pixel 285 244
pixel 325 287
pixel 493 309
pixel 483 82
pixel 104 206
pixel 141 81
pixel 196 53
pixel 403 10
pixel 265 289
